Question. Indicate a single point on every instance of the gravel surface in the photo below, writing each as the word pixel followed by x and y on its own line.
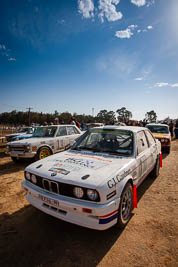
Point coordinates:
pixel 30 238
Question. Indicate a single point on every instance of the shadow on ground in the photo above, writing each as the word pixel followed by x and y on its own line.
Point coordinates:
pixel 32 238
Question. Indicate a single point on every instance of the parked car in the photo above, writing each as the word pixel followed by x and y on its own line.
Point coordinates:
pixel 92 183
pixel 28 134
pixel 162 133
pixel 46 140
pixel 20 131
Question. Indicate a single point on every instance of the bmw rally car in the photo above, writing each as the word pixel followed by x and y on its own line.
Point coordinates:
pixel 92 184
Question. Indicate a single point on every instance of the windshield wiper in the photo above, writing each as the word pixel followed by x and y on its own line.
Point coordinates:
pixel 87 148
pixel 114 152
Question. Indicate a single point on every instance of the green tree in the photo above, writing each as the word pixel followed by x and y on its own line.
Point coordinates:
pixel 123 114
pixel 106 116
pixel 151 116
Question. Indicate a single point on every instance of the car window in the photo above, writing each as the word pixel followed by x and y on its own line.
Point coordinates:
pixel 141 142
pixel 158 128
pixel 118 142
pixel 72 130
pixel 61 131
pixel 151 139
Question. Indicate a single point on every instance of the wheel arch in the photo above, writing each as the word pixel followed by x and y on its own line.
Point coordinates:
pixel 45 145
pixel 42 146
pixel 123 184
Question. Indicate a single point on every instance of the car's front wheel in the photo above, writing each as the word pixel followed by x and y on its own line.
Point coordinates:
pixel 43 153
pixel 125 207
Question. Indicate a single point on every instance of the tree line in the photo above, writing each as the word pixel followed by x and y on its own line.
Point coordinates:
pixel 16 118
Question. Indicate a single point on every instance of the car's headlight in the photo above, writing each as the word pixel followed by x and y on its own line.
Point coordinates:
pixel 92 194
pixel 27 148
pixel 162 140
pixel 78 192
pixel 33 178
pixel 7 148
pixel 27 175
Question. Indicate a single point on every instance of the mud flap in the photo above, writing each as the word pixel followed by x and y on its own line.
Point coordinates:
pixel 161 160
pixel 134 196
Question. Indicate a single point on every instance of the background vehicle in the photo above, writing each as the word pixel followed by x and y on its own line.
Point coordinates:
pixel 161 132
pixel 92 183
pixel 45 141
pixel 28 134
pixel 21 131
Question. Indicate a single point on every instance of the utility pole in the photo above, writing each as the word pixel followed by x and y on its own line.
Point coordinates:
pixel 92 112
pixel 29 109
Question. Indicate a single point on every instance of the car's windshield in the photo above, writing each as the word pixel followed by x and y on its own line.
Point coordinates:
pixel 22 130
pixel 45 132
pixel 158 129
pixel 30 130
pixel 112 141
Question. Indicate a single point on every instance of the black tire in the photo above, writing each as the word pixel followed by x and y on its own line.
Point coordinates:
pixel 15 159
pixel 168 150
pixel 43 152
pixel 155 171
pixel 125 207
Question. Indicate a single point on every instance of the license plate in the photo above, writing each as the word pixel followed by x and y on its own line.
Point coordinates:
pixel 49 201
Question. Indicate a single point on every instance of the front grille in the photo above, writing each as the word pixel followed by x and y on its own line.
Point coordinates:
pixel 16 148
pixel 60 188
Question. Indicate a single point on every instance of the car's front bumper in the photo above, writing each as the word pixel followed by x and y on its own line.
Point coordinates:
pixel 102 216
pixel 21 154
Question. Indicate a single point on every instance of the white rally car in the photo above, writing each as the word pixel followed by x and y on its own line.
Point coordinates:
pixel 45 141
pixel 92 183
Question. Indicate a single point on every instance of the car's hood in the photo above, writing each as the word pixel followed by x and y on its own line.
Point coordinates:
pixel 88 169
pixel 33 140
pixel 14 134
pixel 161 135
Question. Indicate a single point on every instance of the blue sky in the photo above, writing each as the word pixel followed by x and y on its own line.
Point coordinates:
pixel 70 55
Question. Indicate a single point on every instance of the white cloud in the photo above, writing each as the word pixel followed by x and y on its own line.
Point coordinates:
pixel 149 27
pixel 139 31
pixel 127 33
pixel 108 9
pixel 133 27
pixel 161 84
pixel 138 2
pixel 124 34
pixel 139 79
pixel 11 59
pixel 150 3
pixel 174 85
pixel 86 8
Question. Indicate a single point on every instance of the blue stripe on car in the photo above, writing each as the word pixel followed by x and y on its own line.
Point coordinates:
pixel 107 220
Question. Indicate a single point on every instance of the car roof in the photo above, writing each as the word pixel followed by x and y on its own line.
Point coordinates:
pixel 157 124
pixel 134 129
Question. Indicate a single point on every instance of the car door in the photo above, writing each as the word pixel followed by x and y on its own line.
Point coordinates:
pixel 143 155
pixel 73 134
pixel 152 148
pixel 61 139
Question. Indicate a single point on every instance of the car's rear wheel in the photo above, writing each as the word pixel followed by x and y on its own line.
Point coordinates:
pixel 155 171
pixel 125 207
pixel 15 159
pixel 43 153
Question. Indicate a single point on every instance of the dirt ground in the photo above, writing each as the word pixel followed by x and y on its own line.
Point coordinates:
pixel 30 238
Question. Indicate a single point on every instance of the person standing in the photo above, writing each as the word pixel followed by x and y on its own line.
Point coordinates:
pixel 171 128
